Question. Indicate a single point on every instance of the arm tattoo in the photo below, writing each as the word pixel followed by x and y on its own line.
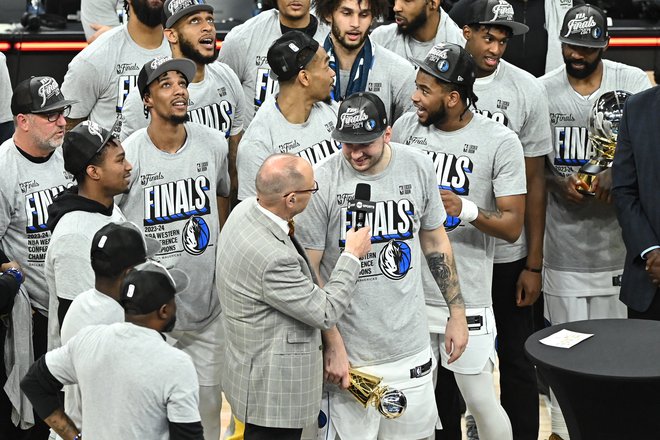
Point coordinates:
pixel 444 272
pixel 491 214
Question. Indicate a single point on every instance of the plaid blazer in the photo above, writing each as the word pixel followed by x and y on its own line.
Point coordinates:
pixel 272 313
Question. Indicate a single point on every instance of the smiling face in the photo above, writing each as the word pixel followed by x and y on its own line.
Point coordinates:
pixel 429 99
pixel 320 75
pixel 350 23
pixel 194 35
pixel 113 170
pixel 167 98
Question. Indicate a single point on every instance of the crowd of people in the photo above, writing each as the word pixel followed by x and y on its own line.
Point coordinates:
pixel 311 204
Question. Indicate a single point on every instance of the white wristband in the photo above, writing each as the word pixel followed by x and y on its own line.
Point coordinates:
pixel 469 211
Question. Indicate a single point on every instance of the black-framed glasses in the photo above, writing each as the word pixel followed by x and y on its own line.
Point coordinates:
pixel 311 191
pixel 54 116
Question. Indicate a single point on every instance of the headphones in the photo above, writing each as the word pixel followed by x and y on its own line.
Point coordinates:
pixel 33 22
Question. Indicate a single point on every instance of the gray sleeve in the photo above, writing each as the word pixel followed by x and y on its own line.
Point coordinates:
pixel 222 167
pixel 379 35
pixel 132 114
pixel 82 83
pixel 398 131
pixel 509 168
pixel 98 12
pixel 536 134
pixel 252 152
pixel 183 392
pixel 434 214
pixel 60 363
pixel 238 124
pixel 5 91
pixel 403 90
pixel 638 81
pixel 71 266
pixel 233 54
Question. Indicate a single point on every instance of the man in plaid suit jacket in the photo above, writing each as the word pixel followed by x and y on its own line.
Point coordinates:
pixel 272 308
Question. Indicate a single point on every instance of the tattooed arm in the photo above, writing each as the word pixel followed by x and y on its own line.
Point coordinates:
pixel 440 258
pixel 504 222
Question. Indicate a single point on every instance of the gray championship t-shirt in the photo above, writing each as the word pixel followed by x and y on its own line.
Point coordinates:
pixel 271 133
pixel 583 237
pixel 132 381
pixel 68 267
pixel 89 308
pixel 516 99
pixel 26 190
pixel 479 162
pixel 411 49
pixel 101 76
pixel 244 49
pixel 5 91
pixel 102 12
pixel 172 197
pixel 217 102
pixel 386 320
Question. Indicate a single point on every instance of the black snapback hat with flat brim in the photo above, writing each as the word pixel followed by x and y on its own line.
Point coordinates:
pixel 497 13
pixel 361 119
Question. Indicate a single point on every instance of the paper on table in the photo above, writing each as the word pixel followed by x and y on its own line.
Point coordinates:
pixel 565 339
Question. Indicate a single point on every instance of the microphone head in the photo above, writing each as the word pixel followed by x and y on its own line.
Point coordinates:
pixel 363 191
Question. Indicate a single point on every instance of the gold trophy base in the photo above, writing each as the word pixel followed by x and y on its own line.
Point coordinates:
pixel 588 173
pixel 365 387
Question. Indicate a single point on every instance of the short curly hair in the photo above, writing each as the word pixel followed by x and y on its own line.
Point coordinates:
pixel 325 8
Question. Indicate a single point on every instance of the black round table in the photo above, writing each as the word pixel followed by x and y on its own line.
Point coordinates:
pixel 607 386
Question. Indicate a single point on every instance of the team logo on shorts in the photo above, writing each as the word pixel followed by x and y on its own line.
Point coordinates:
pixel 394 259
pixel 196 235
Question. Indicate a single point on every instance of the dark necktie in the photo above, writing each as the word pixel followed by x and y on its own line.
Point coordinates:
pixel 292 227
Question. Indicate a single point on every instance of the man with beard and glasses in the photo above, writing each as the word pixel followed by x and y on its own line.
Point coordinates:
pixel 216 97
pixel 419 25
pixel 479 172
pixel 101 75
pixel 584 250
pixel 133 383
pixel 245 47
pixel 300 118
pixel 98 164
pixel 514 98
pixel 360 64
pixel 179 196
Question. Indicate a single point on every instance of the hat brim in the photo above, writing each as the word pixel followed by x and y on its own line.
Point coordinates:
pixel 355 138
pixel 55 106
pixel 516 28
pixel 595 45
pixel 183 65
pixel 186 11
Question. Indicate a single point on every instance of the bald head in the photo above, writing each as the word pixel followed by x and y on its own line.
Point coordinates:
pixel 280 174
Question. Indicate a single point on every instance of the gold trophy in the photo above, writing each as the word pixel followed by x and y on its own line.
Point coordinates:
pixel 390 403
pixel 603 130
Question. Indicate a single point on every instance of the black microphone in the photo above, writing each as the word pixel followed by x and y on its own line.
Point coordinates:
pixel 361 204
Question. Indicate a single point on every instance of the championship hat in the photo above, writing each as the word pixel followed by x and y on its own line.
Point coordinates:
pixel 290 53
pixel 150 285
pixel 38 94
pixel 176 9
pixel 156 67
pixel 82 143
pixel 585 25
pixel 496 13
pixel 119 246
pixel 361 119
pixel 449 63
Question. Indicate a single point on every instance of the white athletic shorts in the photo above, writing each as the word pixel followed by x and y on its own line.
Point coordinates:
pixel 347 419
pixel 481 342
pixel 205 347
pixel 576 296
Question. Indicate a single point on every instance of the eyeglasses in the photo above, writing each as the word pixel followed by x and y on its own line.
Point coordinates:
pixel 311 191
pixel 54 116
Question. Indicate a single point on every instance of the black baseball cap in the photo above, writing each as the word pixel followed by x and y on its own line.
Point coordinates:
pixel 361 119
pixel 585 25
pixel 177 9
pixel 450 63
pixel 38 94
pixel 122 245
pixel 84 142
pixel 496 13
pixel 156 67
pixel 150 285
pixel 284 55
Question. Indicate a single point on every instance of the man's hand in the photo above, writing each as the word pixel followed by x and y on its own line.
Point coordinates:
pixel 453 203
pixel 99 28
pixel 456 335
pixel 335 359
pixel 602 186
pixel 653 266
pixel 358 242
pixel 569 185
pixel 14 264
pixel 528 288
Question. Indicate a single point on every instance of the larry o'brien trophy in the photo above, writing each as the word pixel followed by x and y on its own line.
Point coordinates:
pixel 603 130
pixel 390 403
